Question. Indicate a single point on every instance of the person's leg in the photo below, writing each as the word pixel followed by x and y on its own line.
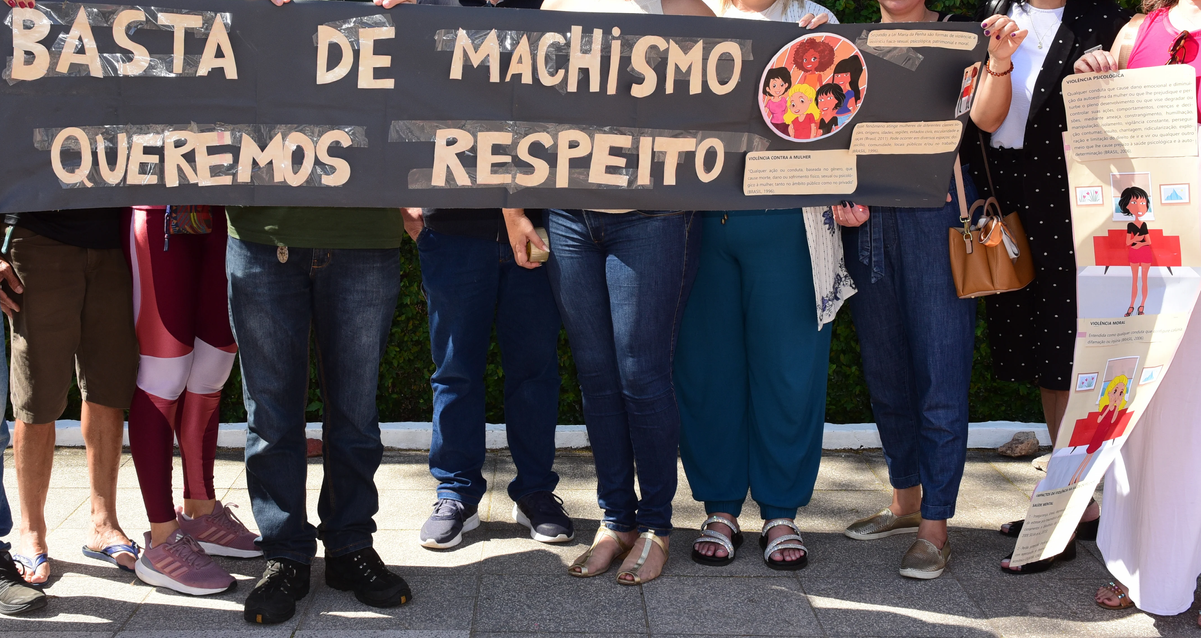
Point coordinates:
pixel 789 363
pixel 270 311
pixel 650 269
pixel 354 300
pixel 107 368
pixel 16 596
pixel 527 329
pixel 1146 272
pixel 711 383
pixel 940 328
pixel 212 360
pixel 45 338
pixel 460 277
pixel 577 276
pixel 164 292
pixel 1133 288
pixel 884 348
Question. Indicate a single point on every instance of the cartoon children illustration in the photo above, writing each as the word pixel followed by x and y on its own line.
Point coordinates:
pixel 776 83
pixel 802 113
pixel 1113 406
pixel 812 57
pixel 848 74
pixel 829 99
pixel 1138 241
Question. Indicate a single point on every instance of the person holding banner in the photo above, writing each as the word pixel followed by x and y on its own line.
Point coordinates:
pixel 621 279
pixel 753 355
pixel 1033 331
pixel 916 336
pixel 1150 533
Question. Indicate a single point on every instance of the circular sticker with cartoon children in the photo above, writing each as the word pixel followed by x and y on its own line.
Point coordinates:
pixel 812 87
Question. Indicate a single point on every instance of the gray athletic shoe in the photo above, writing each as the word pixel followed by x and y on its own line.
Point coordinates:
pixel 543 513
pixel 444 528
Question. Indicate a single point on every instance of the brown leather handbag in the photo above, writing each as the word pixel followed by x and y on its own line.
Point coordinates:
pixel 991 256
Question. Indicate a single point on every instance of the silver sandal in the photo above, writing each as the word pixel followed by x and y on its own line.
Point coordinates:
pixel 788 541
pixel 730 544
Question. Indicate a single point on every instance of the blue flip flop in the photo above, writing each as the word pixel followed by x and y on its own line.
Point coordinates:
pixel 108 554
pixel 30 566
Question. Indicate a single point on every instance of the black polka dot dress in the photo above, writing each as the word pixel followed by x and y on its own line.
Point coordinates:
pixel 1032 332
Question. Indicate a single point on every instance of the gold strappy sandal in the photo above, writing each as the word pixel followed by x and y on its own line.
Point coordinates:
pixel 635 573
pixel 582 562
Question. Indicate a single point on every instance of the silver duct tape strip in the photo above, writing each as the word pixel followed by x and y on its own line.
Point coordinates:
pixel 444 40
pixel 422 179
pixel 151 136
pixel 901 56
pixel 425 130
pixel 104 15
pixel 157 65
pixel 350 27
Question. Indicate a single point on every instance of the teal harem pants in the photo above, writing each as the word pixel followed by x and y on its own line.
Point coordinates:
pixel 751 366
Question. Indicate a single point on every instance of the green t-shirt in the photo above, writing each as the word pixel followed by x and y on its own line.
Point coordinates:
pixel 332 228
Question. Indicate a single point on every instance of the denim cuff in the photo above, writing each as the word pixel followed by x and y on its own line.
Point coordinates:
pixel 305 559
pixel 334 552
pixel 618 527
pixel 642 529
pixel 904 482
pixel 455 496
pixel 937 512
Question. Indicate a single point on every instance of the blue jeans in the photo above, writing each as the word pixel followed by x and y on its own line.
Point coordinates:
pixel 917 338
pixel 6 515
pixel 347 298
pixel 471 284
pixel 622 281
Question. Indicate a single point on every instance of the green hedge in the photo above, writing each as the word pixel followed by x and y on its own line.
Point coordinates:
pixel 404 390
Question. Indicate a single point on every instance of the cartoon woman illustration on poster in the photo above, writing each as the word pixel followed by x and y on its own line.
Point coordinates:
pixel 802 113
pixel 1113 408
pixel 1138 242
pixel 776 84
pixel 813 87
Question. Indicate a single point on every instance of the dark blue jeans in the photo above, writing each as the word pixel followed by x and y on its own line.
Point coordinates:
pixel 916 337
pixel 347 299
pixel 470 285
pixel 622 281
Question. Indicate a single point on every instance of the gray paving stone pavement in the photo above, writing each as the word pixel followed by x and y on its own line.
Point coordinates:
pixel 501 584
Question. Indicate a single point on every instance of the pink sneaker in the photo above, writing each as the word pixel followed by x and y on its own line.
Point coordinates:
pixel 181 565
pixel 220 533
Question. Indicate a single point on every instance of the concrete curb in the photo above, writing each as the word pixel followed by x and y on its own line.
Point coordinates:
pixel 416 435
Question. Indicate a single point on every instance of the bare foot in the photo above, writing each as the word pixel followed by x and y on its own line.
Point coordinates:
pixel 31 546
pixel 783 555
pixel 101 538
pixel 653 566
pixel 604 552
pixel 714 550
pixel 1108 598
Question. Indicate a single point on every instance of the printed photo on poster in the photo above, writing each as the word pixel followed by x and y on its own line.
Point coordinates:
pixel 813 87
pixel 1086 381
pixel 967 89
pixel 1173 194
pixel 1130 187
pixel 1088 196
pixel 1150 375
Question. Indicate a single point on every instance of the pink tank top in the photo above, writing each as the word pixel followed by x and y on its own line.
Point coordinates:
pixel 1155 37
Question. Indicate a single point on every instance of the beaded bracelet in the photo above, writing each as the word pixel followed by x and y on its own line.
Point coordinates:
pixel 988 67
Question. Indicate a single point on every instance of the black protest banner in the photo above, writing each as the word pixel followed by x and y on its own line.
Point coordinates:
pixel 348 104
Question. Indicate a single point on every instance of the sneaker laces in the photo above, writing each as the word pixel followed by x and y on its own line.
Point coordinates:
pixel 186 549
pixel 371 567
pixel 546 503
pixel 227 520
pixel 447 508
pixel 277 577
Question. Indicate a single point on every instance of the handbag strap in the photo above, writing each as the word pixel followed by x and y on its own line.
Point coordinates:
pixel 987 171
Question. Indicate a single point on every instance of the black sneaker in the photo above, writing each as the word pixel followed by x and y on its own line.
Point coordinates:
pixel 444 528
pixel 16 595
pixel 364 573
pixel 543 513
pixel 273 599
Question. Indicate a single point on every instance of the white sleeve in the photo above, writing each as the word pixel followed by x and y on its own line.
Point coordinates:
pixel 817 9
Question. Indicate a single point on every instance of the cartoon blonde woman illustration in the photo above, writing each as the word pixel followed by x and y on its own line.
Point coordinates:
pixel 802 112
pixel 1113 403
pixel 1138 242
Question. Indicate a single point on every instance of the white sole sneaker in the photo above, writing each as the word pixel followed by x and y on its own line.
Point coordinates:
pixel 158 579
pixel 213 549
pixel 468 525
pixel 522 519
